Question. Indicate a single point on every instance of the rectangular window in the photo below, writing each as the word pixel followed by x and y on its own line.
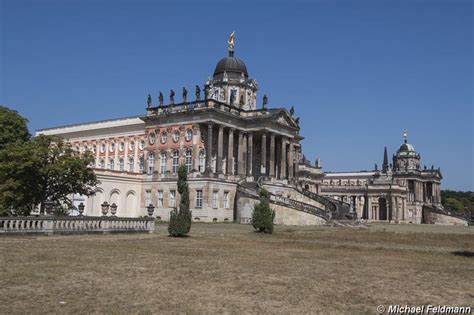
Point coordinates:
pixel 214 199
pixel 147 197
pixel 172 199
pixel 226 200
pixel 198 198
pixel 159 199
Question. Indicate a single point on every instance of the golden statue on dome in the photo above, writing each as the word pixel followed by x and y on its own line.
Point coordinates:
pixel 231 43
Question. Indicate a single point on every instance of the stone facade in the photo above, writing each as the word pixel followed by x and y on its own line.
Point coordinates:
pixel 231 146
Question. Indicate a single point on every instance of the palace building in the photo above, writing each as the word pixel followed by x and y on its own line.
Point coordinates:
pixel 231 147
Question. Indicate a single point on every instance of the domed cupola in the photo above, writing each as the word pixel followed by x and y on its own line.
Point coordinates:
pixel 230 83
pixel 406 158
pixel 233 67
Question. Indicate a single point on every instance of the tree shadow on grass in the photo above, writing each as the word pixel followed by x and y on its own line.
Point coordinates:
pixel 463 253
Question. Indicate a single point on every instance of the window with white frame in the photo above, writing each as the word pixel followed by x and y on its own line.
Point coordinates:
pixel 226 200
pixel 141 164
pixel 175 161
pixel 112 147
pixel 121 165
pixel 188 160
pixel 152 138
pixel 172 199
pixel 175 136
pixel 102 148
pixel 215 194
pixel 164 137
pixel 121 146
pixel 159 198
pixel 198 198
pixel 189 134
pixel 111 164
pixel 162 162
pixel 102 164
pixel 131 161
pixel 202 161
pixel 147 197
pixel 94 148
pixel 151 163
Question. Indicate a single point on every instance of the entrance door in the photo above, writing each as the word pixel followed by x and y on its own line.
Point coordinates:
pixel 382 209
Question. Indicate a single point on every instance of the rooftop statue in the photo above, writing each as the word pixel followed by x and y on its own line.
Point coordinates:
pixel 148 101
pixel 160 99
pixel 231 42
pixel 171 96
pixel 198 93
pixel 185 94
pixel 265 101
pixel 292 111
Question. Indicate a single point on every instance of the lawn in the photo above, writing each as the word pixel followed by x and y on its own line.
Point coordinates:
pixel 228 268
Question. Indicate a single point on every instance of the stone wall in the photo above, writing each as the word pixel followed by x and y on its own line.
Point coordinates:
pixel 283 215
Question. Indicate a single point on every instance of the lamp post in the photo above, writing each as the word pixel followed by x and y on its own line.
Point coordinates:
pixel 105 208
pixel 113 209
pixel 81 207
pixel 150 209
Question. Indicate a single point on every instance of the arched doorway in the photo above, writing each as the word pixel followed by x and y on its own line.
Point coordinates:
pixel 382 209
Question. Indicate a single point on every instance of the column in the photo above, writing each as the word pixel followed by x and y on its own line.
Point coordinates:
pixel 209 148
pixel 230 153
pixel 272 155
pixel 264 154
pixel 220 149
pixel 250 153
pixel 196 140
pixel 283 159
pixel 290 161
pixel 135 155
pixel 239 154
pixel 244 155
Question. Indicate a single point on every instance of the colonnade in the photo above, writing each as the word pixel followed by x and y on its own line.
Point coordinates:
pixel 249 153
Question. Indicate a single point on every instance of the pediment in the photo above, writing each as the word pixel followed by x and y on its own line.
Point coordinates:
pixel 285 120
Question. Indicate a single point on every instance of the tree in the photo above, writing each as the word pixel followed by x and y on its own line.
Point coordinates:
pixel 13 127
pixel 263 215
pixel 180 220
pixel 42 169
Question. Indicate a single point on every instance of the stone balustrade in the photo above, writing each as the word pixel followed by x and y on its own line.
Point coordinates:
pixel 74 225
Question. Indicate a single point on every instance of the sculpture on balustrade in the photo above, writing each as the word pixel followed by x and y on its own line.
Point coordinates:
pixel 376 167
pixel 148 101
pixel 292 111
pixel 297 121
pixel 241 102
pixel 198 93
pixel 171 97
pixel 185 94
pixel 265 101
pixel 160 98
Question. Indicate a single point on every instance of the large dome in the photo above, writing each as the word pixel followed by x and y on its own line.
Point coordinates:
pixel 234 67
pixel 406 149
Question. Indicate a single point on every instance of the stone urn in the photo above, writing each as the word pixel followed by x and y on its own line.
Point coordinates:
pixel 105 208
pixel 150 209
pixel 113 209
pixel 81 208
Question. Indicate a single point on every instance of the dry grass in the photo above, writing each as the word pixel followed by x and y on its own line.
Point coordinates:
pixel 228 268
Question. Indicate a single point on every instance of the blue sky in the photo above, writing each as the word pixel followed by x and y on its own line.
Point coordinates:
pixel 358 73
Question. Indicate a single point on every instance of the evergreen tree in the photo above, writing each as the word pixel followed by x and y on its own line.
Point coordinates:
pixel 180 219
pixel 263 215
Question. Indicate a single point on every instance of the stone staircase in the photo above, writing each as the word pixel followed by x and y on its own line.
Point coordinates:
pixel 339 210
pixel 251 189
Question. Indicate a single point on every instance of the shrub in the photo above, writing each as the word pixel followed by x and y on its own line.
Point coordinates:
pixel 263 215
pixel 180 219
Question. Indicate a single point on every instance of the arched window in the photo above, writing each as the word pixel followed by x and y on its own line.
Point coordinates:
pixel 141 164
pixel 188 160
pixel 102 164
pixel 202 161
pixel 162 162
pixel 151 163
pixel 130 165
pixel 111 164
pixel 175 161
pixel 121 165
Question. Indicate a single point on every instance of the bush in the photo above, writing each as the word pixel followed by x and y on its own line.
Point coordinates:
pixel 263 215
pixel 180 219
